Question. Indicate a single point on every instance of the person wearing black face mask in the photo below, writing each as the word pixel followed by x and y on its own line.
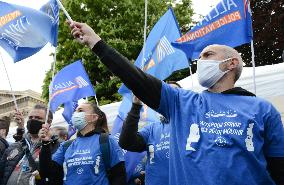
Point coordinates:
pixel 34 126
pixel 19 164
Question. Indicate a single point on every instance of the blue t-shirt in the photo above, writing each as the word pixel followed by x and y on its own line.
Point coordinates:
pixel 220 139
pixel 157 136
pixel 82 162
pixel 137 172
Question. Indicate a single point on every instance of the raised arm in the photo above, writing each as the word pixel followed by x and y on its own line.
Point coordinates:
pixel 49 170
pixel 146 87
pixel 129 138
pixel 19 119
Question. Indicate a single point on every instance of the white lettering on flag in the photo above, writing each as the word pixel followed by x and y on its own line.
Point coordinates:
pixel 81 82
pixel 164 48
pixel 15 34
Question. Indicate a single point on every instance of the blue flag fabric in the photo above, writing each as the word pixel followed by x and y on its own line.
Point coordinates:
pixel 24 31
pixel 52 10
pixel 146 115
pixel 69 85
pixel 117 125
pixel 69 108
pixel 161 58
pixel 229 23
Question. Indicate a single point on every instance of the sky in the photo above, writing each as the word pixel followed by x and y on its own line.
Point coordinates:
pixel 30 73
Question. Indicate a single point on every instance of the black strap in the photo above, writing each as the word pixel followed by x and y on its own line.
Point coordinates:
pixel 31 160
pixel 67 144
pixel 3 144
pixel 105 149
pixel 29 156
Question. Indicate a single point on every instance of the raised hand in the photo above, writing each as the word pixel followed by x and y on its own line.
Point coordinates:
pixel 83 33
pixel 45 134
pixel 19 119
pixel 136 100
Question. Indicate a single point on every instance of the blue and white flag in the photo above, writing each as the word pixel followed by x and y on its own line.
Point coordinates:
pixel 146 114
pixel 69 108
pixel 161 58
pixel 24 31
pixel 52 10
pixel 69 85
pixel 229 23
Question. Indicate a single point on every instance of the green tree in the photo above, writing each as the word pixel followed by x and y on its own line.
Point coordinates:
pixel 268 33
pixel 120 23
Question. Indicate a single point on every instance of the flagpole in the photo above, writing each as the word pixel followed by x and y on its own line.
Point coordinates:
pixel 97 101
pixel 51 84
pixel 190 71
pixel 253 64
pixel 145 35
pixel 66 13
pixel 64 10
pixel 13 95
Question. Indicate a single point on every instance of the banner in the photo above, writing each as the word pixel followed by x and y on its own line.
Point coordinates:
pixel 161 58
pixel 24 31
pixel 229 23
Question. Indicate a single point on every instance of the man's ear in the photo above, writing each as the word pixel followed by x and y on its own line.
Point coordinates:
pixel 232 64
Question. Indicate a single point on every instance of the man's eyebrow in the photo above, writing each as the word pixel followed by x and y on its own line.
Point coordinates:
pixel 206 53
pixel 79 109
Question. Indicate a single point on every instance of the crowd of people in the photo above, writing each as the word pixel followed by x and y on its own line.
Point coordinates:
pixel 224 135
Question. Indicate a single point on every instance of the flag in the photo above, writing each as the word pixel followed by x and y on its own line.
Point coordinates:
pixel 229 23
pixel 68 86
pixel 24 31
pixel 52 10
pixel 161 58
pixel 69 108
pixel 146 114
pixel 117 125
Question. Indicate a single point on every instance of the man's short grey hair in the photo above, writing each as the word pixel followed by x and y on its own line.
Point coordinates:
pixel 44 107
pixel 232 53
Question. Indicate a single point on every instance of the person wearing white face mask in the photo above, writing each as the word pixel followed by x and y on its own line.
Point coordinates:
pixel 82 160
pixel 209 72
pixel 224 135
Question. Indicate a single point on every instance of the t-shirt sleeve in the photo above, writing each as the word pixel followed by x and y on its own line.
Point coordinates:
pixel 145 132
pixel 115 151
pixel 177 100
pixel 274 135
pixel 58 156
pixel 167 101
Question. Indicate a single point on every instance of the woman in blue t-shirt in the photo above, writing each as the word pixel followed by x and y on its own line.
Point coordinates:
pixel 81 160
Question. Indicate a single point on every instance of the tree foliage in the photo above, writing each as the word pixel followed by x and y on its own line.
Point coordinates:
pixel 120 23
pixel 268 33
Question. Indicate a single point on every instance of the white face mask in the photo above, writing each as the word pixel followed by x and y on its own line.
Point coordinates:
pixel 79 120
pixel 209 73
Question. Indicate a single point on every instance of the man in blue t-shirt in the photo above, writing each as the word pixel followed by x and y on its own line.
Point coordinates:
pixel 224 135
